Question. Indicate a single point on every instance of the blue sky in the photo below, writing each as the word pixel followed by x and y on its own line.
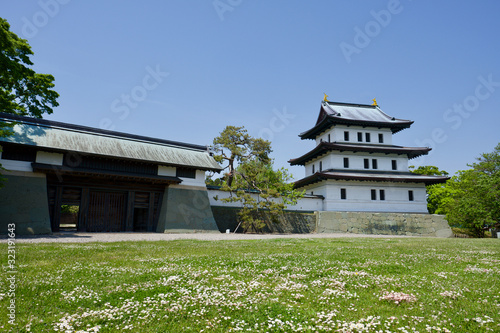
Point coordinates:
pixel 183 70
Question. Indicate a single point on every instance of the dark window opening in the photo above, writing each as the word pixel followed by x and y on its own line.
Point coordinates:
pixel 367 163
pixel 382 194
pixel 18 153
pixel 329 138
pixel 381 138
pixel 374 164
pixel 410 195
pixel 346 136
pixel 394 165
pixel 346 162
pixel 185 173
pixel 76 160
pixel 374 194
pixel 360 137
pixel 343 194
pixel 320 166
pixel 313 168
pixel 367 137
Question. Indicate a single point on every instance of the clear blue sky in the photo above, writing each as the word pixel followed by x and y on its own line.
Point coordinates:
pixel 183 70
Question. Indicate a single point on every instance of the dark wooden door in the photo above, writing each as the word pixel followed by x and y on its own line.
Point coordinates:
pixel 106 211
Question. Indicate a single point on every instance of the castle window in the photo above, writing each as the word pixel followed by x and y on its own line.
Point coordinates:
pixel 367 137
pixel 394 165
pixel 410 195
pixel 381 138
pixel 185 173
pixel 374 164
pixel 360 137
pixel 329 138
pixel 382 194
pixel 346 136
pixel 320 166
pixel 346 162
pixel 313 168
pixel 367 163
pixel 374 194
pixel 343 194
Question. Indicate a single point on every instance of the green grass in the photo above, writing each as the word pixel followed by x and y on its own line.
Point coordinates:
pixel 310 285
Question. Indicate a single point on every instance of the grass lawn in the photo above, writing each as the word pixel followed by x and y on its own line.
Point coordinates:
pixel 293 285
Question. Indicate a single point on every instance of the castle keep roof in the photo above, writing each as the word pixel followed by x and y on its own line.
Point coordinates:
pixel 334 113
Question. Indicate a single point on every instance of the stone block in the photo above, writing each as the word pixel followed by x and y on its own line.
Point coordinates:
pixel 24 203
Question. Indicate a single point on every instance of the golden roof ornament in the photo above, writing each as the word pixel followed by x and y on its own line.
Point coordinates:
pixel 325 99
pixel 375 102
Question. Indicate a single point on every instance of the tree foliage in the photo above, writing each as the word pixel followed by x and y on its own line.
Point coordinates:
pixel 437 194
pixel 475 194
pixel 471 198
pixel 22 90
pixel 251 179
pixel 428 170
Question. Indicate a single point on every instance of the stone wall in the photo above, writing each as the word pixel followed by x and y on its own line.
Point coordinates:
pixel 23 202
pixel 186 209
pixel 291 222
pixel 426 225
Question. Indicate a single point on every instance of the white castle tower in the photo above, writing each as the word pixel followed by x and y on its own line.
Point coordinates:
pixel 355 166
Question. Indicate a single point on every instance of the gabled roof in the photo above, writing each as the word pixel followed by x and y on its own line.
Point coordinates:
pixel 62 137
pixel 381 176
pixel 325 147
pixel 334 113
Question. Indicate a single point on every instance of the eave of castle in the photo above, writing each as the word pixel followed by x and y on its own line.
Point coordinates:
pixel 326 147
pixel 334 113
pixel 393 177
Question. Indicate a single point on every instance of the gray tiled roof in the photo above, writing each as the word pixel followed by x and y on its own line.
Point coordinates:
pixel 62 137
pixel 333 113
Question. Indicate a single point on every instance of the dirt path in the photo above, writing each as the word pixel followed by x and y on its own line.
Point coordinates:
pixel 81 237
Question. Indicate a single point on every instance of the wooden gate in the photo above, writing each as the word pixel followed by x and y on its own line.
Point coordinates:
pixel 106 211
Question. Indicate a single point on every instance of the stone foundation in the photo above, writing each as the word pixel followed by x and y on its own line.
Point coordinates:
pixel 186 210
pixel 24 202
pixel 425 225
pixel 291 222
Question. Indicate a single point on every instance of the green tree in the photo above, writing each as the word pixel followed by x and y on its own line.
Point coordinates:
pixel 251 179
pixel 475 194
pixel 235 146
pixel 437 194
pixel 22 91
pixel 428 170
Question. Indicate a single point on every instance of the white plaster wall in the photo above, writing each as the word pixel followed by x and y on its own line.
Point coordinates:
pixel 166 171
pixel 359 196
pixel 335 160
pixel 337 134
pixel 49 158
pixel 307 203
pixel 199 181
pixel 11 165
